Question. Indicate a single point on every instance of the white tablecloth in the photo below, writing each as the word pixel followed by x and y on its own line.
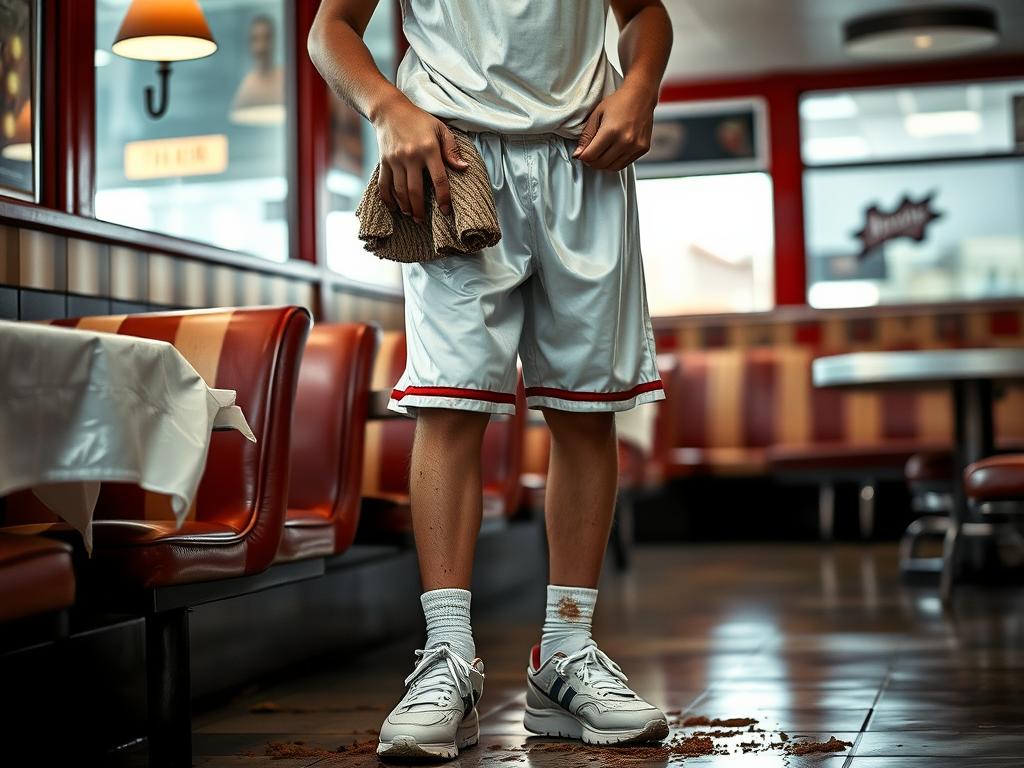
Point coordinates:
pixel 81 407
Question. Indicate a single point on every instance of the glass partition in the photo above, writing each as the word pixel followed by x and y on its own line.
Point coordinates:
pixel 914 194
pixel 215 167
pixel 353 147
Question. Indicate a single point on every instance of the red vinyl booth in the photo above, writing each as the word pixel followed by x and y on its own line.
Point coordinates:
pixel 331 406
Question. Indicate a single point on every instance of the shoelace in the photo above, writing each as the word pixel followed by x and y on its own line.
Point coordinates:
pixel 596 669
pixel 438 671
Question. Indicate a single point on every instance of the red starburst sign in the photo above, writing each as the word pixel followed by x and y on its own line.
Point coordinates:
pixel 910 219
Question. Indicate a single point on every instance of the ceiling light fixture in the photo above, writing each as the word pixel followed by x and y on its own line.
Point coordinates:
pixel 922 32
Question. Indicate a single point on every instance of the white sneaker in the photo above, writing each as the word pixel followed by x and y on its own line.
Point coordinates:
pixel 437 716
pixel 584 696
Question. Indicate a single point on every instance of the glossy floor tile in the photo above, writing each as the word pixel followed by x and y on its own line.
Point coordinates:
pixel 812 643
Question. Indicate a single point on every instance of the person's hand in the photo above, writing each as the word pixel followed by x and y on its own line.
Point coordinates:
pixel 618 131
pixel 413 142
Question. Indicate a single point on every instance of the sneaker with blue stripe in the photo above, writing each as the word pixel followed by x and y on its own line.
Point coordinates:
pixel 584 696
pixel 437 717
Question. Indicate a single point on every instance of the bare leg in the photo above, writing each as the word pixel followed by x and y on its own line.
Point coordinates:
pixel 446 493
pixel 580 498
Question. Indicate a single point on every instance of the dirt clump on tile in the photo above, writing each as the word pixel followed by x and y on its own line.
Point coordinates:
pixel 285 750
pixel 568 609
pixel 731 722
pixel 819 747
pixel 689 746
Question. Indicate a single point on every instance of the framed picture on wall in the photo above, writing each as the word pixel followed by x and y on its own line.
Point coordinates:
pixel 19 81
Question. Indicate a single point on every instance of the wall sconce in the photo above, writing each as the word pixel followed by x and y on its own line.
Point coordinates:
pixel 163 31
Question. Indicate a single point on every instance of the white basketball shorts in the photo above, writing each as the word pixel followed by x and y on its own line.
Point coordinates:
pixel 563 290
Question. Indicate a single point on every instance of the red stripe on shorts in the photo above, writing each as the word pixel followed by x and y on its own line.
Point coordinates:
pixel 568 394
pixel 469 394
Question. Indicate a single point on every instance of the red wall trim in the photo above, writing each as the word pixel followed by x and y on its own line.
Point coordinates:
pixel 782 92
pixel 68 174
pixel 312 141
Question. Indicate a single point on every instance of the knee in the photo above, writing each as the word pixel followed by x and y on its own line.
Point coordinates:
pixel 450 424
pixel 589 427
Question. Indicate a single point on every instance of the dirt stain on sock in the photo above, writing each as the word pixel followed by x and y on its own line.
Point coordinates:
pixel 568 609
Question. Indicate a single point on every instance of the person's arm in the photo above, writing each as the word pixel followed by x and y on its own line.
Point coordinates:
pixel 411 141
pixel 618 131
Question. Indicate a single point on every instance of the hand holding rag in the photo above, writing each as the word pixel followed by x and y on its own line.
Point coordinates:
pixel 471 226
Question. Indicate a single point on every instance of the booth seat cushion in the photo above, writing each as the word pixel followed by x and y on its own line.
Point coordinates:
pixel 36 576
pixel 696 462
pixel 997 478
pixel 890 456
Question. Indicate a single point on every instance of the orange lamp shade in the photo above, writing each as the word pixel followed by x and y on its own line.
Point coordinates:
pixel 19 135
pixel 164 30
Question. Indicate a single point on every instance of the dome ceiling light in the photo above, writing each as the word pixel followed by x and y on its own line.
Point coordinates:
pixel 919 33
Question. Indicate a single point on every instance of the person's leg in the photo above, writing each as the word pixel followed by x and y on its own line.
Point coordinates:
pixel 580 496
pixel 446 494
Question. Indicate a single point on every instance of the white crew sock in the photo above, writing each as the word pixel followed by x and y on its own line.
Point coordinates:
pixel 567 619
pixel 447 615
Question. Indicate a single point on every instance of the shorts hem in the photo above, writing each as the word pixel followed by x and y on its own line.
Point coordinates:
pixel 589 405
pixel 408 401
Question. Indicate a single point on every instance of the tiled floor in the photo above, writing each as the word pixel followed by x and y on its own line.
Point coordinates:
pixel 811 641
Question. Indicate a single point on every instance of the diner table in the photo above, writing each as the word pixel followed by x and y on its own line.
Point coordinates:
pixel 972 375
pixel 82 407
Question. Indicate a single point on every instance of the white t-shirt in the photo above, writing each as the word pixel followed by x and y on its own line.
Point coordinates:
pixel 507 66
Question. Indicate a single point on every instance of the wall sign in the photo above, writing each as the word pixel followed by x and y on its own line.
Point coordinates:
pixel 178 156
pixel 706 137
pixel 910 219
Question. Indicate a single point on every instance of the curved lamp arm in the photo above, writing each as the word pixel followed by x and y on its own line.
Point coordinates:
pixel 163 71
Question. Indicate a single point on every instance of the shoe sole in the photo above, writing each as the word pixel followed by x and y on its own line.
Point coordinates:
pixel 408 749
pixel 561 724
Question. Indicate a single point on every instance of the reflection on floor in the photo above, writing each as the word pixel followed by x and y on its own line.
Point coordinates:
pixel 812 642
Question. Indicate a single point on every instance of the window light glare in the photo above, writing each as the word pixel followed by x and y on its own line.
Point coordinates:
pixel 839 107
pixel 923 42
pixel 836 148
pixel 927 125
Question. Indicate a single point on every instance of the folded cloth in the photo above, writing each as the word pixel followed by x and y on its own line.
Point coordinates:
pixel 471 226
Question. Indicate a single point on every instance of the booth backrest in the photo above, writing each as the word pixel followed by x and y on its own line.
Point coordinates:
pixel 331 407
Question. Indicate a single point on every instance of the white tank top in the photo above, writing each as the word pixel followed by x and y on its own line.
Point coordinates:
pixel 507 66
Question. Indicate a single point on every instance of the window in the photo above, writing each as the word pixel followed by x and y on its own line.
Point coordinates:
pixel 914 194
pixel 18 97
pixel 708 243
pixel 214 168
pixel 353 147
pixel 706 213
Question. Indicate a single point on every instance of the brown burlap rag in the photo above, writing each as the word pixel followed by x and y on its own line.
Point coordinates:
pixel 471 226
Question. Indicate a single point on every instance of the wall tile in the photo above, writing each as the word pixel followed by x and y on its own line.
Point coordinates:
pixel 88 268
pixel 87 306
pixel 42 305
pixel 10 263
pixel 8 303
pixel 43 260
pixel 127 307
pixel 196 283
pixel 165 282
pixel 129 274
pixel 224 282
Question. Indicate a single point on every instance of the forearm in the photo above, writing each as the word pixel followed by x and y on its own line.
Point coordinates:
pixel 645 42
pixel 337 50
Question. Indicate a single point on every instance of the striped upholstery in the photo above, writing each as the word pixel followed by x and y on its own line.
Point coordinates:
pixel 389 446
pixel 234 526
pixel 740 408
pixel 331 407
